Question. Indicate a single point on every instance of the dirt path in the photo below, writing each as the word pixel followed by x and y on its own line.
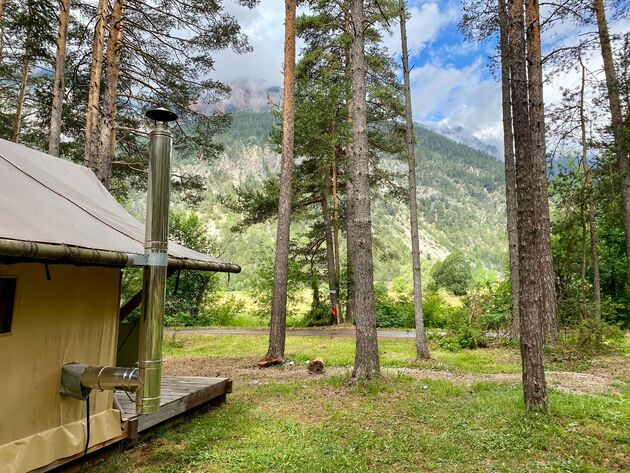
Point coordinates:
pixel 601 380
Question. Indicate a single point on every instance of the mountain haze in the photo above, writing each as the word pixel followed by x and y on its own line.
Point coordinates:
pixel 460 189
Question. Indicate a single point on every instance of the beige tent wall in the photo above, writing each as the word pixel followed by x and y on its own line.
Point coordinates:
pixel 71 318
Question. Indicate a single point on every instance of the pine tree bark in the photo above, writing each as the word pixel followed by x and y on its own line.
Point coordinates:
pixel 26 64
pixel 54 137
pixel 350 292
pixel 350 245
pixel 539 150
pixel 366 362
pixel 92 117
pixel 530 290
pixel 335 223
pixel 3 6
pixel 588 184
pixel 622 142
pixel 107 140
pixel 277 333
pixel 510 171
pixel 333 285
pixel 422 350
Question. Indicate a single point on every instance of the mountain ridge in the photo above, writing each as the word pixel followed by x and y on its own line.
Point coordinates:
pixel 460 199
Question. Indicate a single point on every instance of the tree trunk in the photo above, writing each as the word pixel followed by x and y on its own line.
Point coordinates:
pixel 333 286
pixel 277 333
pixel 92 118
pixel 350 312
pixel 350 309
pixel 54 137
pixel 622 142
pixel 539 150
pixel 510 171
pixel 530 304
pixel 26 64
pixel 422 350
pixel 366 362
pixel 107 141
pixel 588 183
pixel 3 5
pixel 335 224
pixel 583 266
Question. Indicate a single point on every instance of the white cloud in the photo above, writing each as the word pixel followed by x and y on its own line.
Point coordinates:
pixel 452 96
pixel 264 26
pixel 423 27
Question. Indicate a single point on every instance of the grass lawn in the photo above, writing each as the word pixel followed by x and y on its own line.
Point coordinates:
pixel 400 423
pixel 339 351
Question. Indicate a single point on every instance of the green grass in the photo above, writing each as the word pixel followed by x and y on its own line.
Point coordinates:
pixel 339 351
pixel 398 423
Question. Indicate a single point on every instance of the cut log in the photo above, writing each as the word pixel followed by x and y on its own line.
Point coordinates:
pixel 316 365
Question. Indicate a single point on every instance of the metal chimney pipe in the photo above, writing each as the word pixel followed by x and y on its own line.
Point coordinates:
pixel 156 253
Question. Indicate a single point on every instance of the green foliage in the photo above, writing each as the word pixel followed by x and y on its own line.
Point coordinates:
pixel 454 274
pixel 469 338
pixel 435 309
pixel 393 310
pixel 319 316
pixel 261 285
pixel 186 291
pixel 571 242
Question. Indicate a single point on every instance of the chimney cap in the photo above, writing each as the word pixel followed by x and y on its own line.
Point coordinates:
pixel 161 114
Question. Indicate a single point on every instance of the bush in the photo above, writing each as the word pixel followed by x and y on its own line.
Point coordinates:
pixel 395 312
pixel 454 274
pixel 318 316
pixel 435 309
pixel 470 338
pixel 218 311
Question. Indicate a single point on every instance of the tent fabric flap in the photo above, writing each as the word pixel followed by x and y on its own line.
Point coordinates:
pixel 67 440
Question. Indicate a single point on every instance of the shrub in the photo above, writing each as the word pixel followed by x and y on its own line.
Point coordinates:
pixel 394 312
pixel 454 274
pixel 435 309
pixel 218 311
pixel 318 316
pixel 470 338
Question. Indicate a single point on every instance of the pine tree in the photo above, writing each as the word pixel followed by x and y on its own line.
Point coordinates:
pixel 622 142
pixel 277 334
pixel 510 171
pixel 529 225
pixel 366 361
pixel 422 350
pixel 92 120
pixel 58 91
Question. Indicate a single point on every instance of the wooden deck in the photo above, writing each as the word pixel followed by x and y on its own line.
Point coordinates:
pixel 179 395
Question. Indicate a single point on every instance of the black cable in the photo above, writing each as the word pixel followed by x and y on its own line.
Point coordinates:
pixel 87 430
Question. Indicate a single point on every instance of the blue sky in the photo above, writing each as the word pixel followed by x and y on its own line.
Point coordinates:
pixel 451 82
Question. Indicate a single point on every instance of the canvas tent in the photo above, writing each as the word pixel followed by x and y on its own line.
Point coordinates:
pixel 65 310
pixel 48 201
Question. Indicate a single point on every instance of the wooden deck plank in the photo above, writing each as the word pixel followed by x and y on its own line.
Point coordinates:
pixel 178 395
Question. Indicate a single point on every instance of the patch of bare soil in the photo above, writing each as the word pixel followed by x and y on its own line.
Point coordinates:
pixel 241 370
pixel 605 378
pixel 566 381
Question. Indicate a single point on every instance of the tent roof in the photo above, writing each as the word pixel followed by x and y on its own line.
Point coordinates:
pixel 53 206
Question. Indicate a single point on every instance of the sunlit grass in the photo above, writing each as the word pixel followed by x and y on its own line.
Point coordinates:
pixel 397 424
pixel 339 351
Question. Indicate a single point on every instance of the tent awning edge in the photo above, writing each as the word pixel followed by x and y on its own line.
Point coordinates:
pixel 19 250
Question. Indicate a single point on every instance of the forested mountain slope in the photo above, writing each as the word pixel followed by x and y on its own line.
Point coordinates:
pixel 461 201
